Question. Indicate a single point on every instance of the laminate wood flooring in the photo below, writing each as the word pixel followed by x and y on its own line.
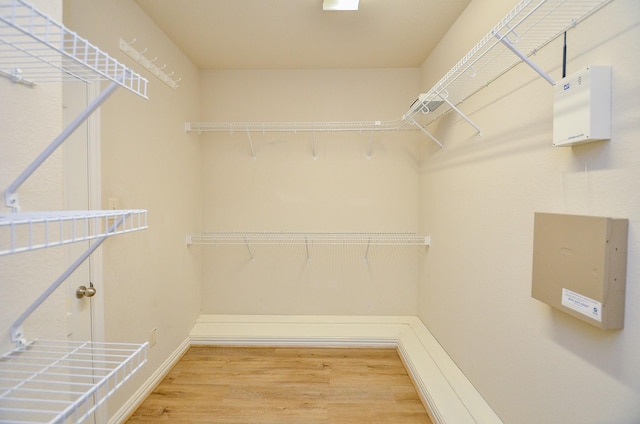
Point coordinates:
pixel 285 385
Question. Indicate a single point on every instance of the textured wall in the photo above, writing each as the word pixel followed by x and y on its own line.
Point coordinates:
pixel 285 189
pixel 151 279
pixel 478 197
pixel 30 119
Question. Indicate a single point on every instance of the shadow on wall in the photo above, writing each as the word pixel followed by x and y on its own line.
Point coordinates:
pixel 600 348
pixel 288 279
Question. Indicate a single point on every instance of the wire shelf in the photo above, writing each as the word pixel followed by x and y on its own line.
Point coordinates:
pixel 531 25
pixel 278 238
pixel 35 48
pixel 22 232
pixel 353 126
pixel 62 381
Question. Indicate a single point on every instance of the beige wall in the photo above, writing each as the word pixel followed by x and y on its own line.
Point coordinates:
pixel 477 199
pixel 285 189
pixel 151 279
pixel 30 119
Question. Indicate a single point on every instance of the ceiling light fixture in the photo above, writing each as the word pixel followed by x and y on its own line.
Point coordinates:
pixel 340 4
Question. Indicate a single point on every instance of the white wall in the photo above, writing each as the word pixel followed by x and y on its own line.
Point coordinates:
pixel 285 189
pixel 151 279
pixel 30 119
pixel 532 364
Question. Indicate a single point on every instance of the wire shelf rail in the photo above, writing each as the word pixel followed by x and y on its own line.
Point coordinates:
pixel 26 231
pixel 352 126
pixel 35 48
pixel 281 238
pixel 63 382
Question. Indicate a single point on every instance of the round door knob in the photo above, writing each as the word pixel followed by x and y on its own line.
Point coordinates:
pixel 84 291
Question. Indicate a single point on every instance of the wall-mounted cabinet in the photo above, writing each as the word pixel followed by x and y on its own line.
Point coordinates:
pixel 580 266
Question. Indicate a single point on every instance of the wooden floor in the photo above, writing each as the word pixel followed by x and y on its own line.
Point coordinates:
pixel 285 385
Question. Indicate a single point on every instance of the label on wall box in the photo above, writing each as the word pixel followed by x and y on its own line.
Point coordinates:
pixel 582 304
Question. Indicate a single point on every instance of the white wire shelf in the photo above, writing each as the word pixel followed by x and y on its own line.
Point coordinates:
pixel 264 127
pixel 25 231
pixel 35 48
pixel 531 25
pixel 281 238
pixel 62 381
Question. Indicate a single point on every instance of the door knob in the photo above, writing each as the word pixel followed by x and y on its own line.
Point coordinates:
pixel 84 291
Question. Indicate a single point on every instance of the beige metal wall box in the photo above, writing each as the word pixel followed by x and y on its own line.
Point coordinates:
pixel 580 266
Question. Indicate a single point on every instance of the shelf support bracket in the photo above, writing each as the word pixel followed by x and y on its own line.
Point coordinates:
pixel 15 76
pixel 15 330
pixel 510 45
pixel 249 249
pixel 413 122
pixel 459 112
pixel 366 253
pixel 370 149
pixel 10 195
pixel 253 153
pixel 313 145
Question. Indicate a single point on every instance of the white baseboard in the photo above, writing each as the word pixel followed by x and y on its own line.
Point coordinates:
pixel 140 395
pixel 445 390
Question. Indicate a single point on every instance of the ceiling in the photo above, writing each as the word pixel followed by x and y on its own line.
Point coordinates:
pixel 298 34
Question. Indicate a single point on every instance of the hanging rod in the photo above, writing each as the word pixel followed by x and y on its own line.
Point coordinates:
pixel 282 238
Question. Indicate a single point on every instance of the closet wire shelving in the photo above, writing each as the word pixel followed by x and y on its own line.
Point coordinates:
pixel 367 239
pixel 529 26
pixel 59 381
pixel 39 230
pixel 36 48
pixel 63 382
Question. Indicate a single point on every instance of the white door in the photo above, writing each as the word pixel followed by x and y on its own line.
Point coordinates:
pixel 82 192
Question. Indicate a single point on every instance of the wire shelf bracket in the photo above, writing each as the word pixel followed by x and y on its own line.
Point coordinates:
pixel 511 45
pixel 10 195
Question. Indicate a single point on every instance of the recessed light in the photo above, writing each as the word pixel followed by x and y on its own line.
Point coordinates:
pixel 340 4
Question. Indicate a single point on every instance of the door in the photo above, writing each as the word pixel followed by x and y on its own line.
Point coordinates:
pixel 82 192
